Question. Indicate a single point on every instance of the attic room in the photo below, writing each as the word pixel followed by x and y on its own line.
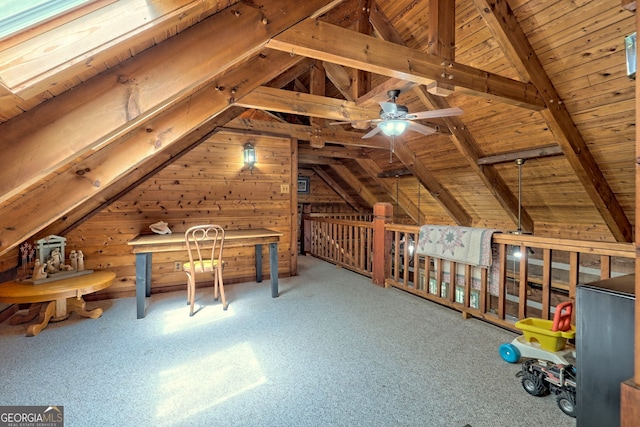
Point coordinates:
pixel 123 120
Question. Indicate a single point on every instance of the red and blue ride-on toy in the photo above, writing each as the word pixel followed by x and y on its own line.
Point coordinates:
pixel 543 339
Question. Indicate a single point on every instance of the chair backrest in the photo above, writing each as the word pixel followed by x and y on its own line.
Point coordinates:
pixel 204 243
pixel 562 317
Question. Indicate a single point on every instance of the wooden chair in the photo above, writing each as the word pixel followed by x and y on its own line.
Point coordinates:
pixel 204 245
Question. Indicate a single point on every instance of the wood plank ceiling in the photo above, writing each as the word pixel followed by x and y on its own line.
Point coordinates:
pixel 90 106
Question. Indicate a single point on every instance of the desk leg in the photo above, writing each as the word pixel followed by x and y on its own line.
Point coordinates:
pixel 273 268
pixel 259 262
pixel 143 280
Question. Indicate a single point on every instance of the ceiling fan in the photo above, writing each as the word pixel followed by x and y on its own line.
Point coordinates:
pixel 395 119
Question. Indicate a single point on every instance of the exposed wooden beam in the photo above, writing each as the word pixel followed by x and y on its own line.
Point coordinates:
pixel 311 161
pixel 336 187
pixel 358 186
pixel 340 79
pixel 379 93
pixel 447 201
pixel 429 181
pixel 334 152
pixel 291 74
pixel 394 173
pixel 115 102
pixel 128 182
pixel 534 153
pixel 507 30
pixel 41 62
pixel 331 43
pixel 362 79
pixel 442 38
pixel 374 171
pixel 191 118
pixel 468 147
pixel 317 87
pixel 284 101
pixel 334 134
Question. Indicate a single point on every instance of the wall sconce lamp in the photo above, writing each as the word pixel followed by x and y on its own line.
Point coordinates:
pixel 249 155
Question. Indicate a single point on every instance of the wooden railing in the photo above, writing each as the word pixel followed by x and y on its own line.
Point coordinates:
pixel 547 273
pixel 347 216
pixel 531 285
pixel 345 243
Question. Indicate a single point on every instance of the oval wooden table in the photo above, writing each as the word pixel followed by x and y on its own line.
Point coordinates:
pixel 54 301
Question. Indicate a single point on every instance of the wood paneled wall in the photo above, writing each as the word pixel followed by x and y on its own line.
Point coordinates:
pixel 210 184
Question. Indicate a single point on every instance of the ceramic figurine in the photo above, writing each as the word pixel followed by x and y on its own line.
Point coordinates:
pixel 56 258
pixel 38 271
pixel 49 268
pixel 73 260
pixel 80 259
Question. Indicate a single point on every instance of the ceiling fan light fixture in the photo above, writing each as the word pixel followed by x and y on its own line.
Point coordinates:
pixel 393 127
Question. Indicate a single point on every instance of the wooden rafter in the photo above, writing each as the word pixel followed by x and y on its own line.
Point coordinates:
pixel 128 182
pixel 375 172
pixel 468 147
pixel 317 87
pixel 336 187
pixel 118 100
pixel 357 185
pixel 460 134
pixel 334 134
pixel 331 43
pixel 505 28
pixel 192 116
pixel 284 101
pixel 429 181
pixel 335 152
pixel 534 153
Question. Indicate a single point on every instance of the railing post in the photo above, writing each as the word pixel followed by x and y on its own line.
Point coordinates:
pixel 382 214
pixel 305 238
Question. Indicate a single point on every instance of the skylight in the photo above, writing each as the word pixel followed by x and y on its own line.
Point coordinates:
pixel 18 15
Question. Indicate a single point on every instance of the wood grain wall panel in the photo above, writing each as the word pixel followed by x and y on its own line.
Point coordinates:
pixel 209 184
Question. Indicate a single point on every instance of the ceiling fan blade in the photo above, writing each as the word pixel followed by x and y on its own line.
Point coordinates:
pixel 445 112
pixel 354 121
pixel 389 107
pixel 417 127
pixel 372 132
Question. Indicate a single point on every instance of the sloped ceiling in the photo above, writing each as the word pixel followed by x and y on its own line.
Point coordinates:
pixel 92 105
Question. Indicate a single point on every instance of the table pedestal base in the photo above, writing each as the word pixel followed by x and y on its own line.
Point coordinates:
pixel 53 311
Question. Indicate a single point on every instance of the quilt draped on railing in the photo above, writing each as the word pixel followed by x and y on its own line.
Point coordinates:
pixel 464 245
pixel 467 245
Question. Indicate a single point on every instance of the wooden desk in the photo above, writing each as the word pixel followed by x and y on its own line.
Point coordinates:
pixel 54 301
pixel 145 245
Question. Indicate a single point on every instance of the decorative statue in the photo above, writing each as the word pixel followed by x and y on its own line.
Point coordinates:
pixel 73 260
pixel 50 269
pixel 80 260
pixel 38 271
pixel 56 258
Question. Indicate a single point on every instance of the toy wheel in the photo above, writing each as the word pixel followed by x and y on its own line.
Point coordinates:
pixel 567 403
pixel 509 352
pixel 534 385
